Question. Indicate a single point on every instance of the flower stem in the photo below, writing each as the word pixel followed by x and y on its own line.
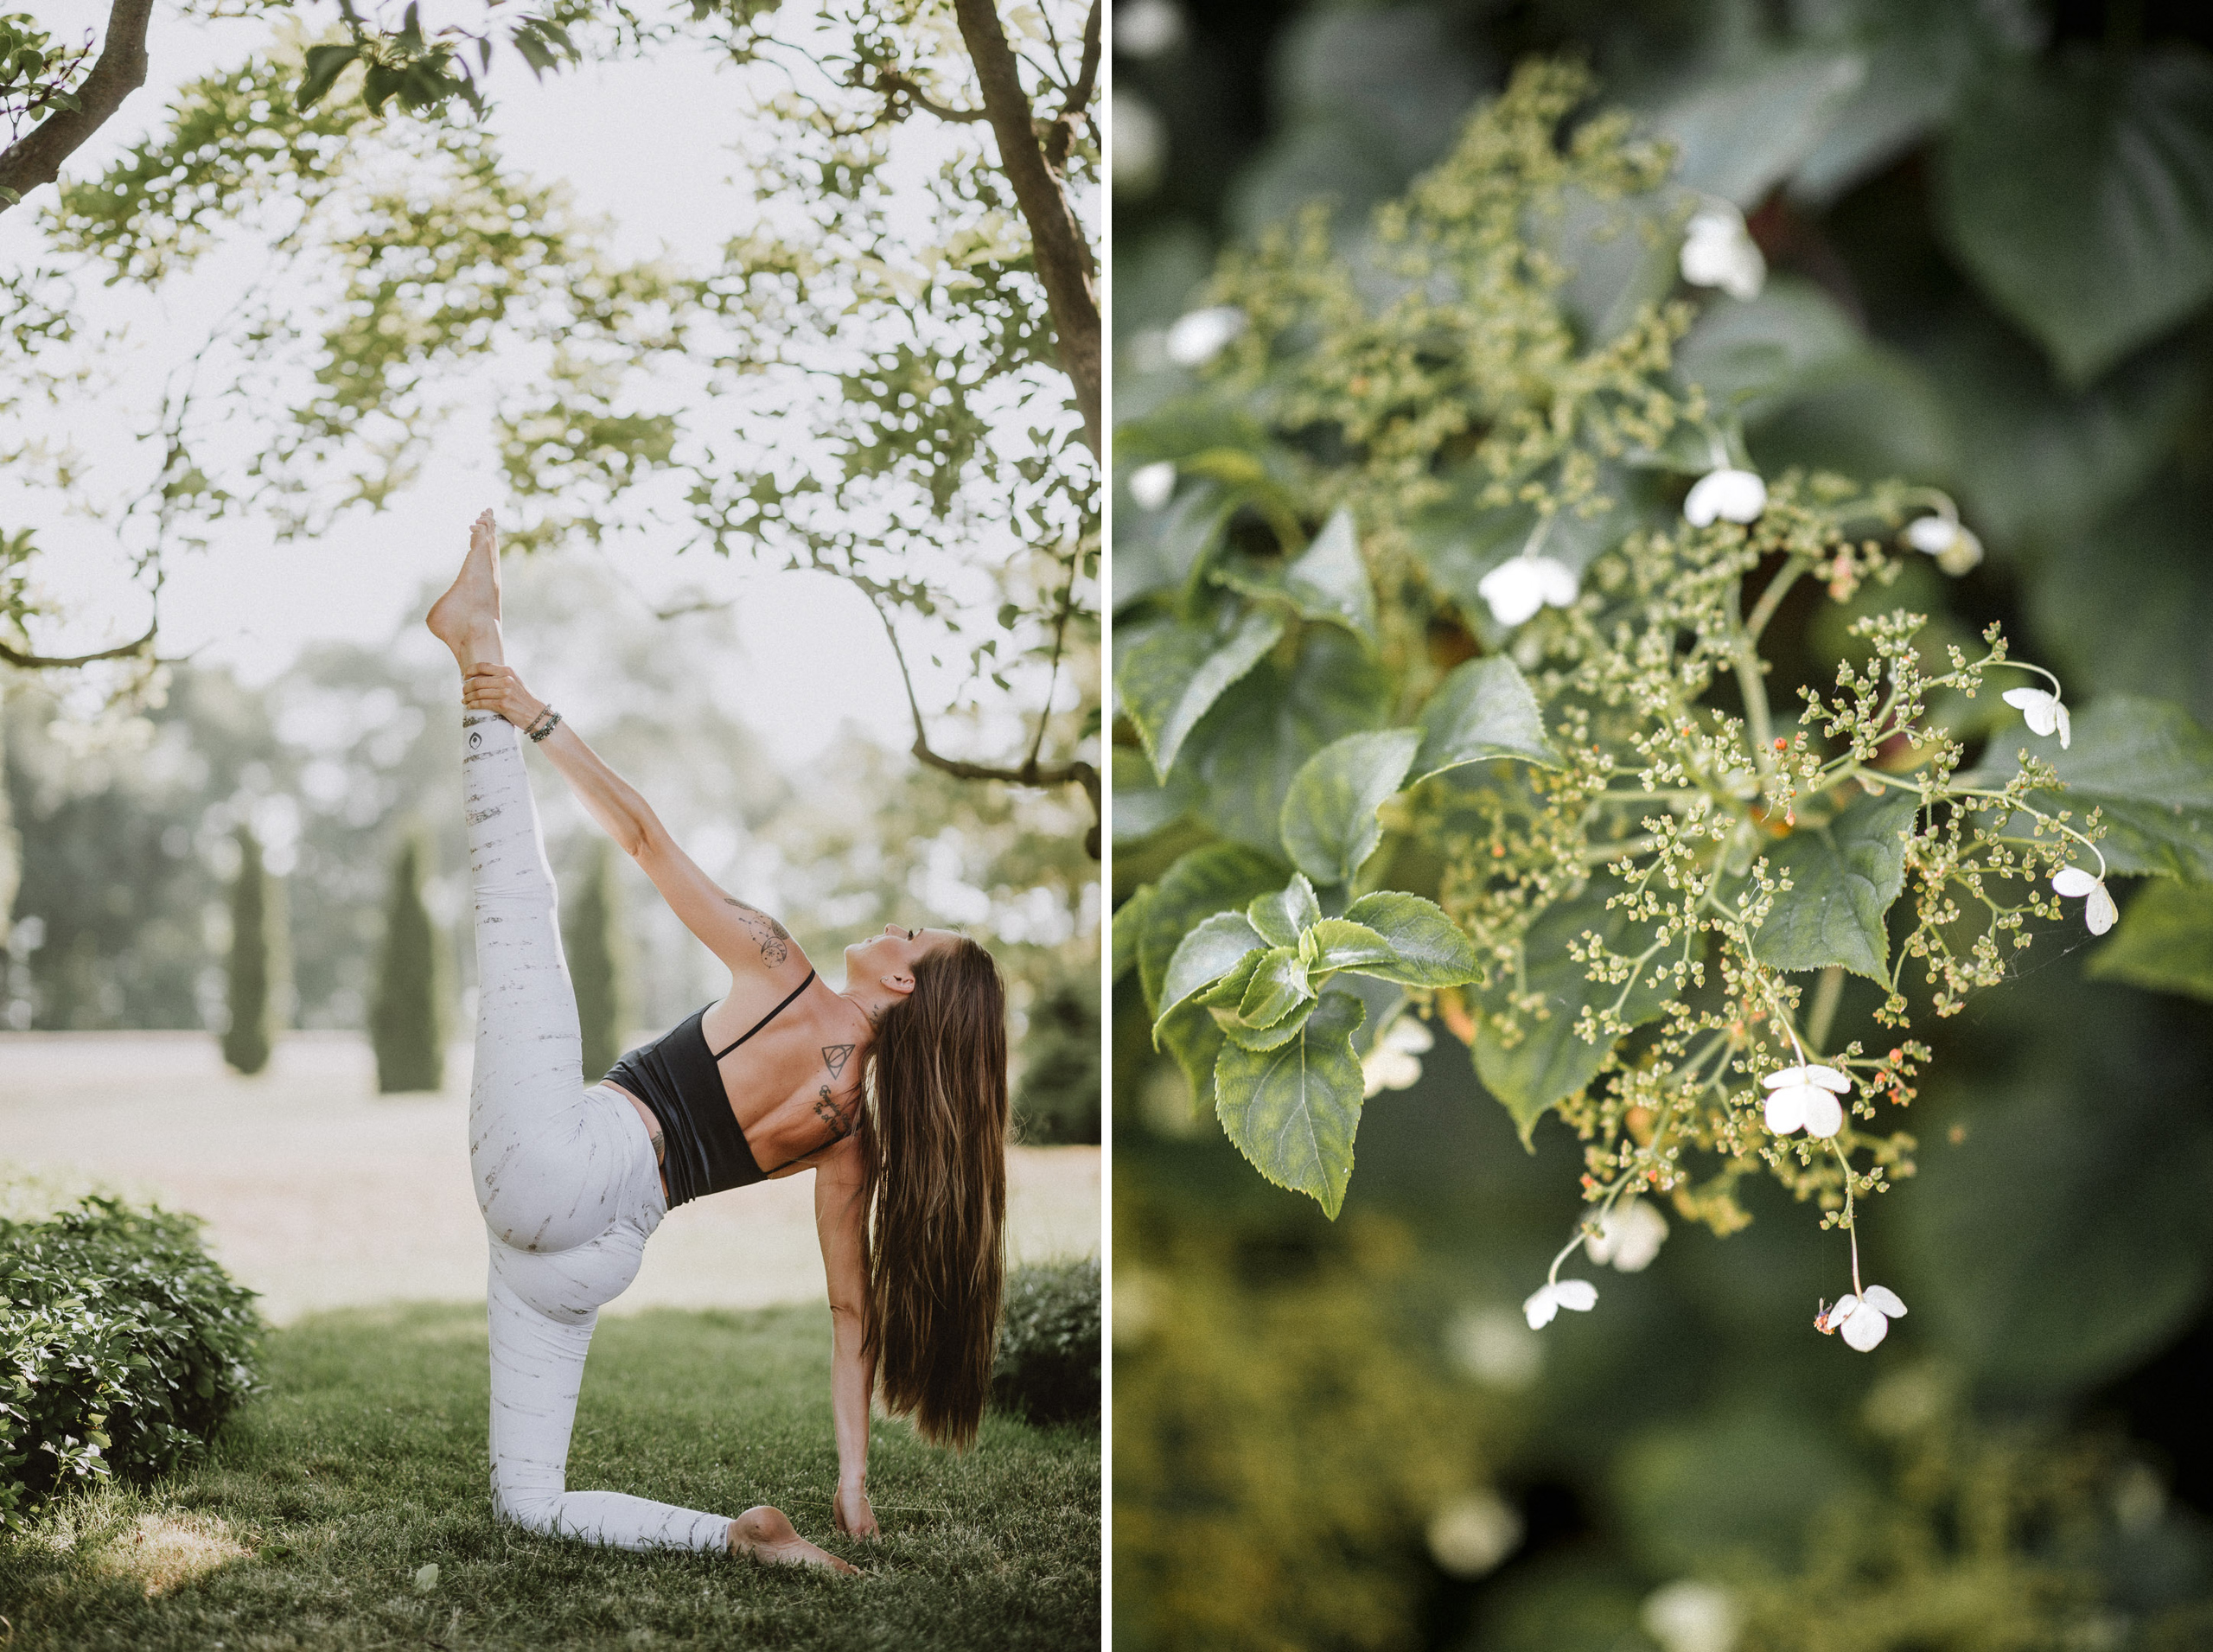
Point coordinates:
pixel 1851 1225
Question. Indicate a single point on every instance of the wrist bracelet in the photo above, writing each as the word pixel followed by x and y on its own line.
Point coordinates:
pixel 539 731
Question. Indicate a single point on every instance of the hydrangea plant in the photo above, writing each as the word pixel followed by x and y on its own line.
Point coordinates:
pixel 1445 638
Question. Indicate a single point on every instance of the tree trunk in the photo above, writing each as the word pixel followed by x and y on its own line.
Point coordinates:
pixel 36 159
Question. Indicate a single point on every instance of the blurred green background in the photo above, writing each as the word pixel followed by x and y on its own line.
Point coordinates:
pixel 1344 1435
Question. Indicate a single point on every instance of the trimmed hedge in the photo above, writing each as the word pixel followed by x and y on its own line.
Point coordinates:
pixel 122 1347
pixel 1047 1368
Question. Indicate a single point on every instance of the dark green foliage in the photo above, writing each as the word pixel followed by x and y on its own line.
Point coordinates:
pixel 1059 1101
pixel 407 1022
pixel 256 954
pixel 1047 1368
pixel 599 959
pixel 122 1349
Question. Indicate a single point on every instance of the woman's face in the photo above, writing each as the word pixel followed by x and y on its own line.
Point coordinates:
pixel 893 952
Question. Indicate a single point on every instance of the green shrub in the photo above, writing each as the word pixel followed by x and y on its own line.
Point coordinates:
pixel 122 1347
pixel 256 954
pixel 1059 1101
pixel 1047 1368
pixel 407 1024
pixel 599 961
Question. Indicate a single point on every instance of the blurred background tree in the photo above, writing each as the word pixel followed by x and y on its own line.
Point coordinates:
pixel 598 952
pixel 408 1020
pixel 258 939
pixel 1991 251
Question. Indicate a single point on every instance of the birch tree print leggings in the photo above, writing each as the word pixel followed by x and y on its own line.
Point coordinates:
pixel 564 1176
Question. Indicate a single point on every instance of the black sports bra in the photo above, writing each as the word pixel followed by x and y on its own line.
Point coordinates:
pixel 678 1079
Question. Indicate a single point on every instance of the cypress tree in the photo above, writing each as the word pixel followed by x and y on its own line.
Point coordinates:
pixel 1059 1101
pixel 598 960
pixel 407 1020
pixel 256 952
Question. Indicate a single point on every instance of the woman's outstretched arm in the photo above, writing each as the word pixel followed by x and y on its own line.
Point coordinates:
pixel 841 1223
pixel 742 936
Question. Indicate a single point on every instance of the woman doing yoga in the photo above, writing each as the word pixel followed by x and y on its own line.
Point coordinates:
pixel 891 1090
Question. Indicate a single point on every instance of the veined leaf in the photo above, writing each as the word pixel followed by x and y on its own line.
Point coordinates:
pixel 1329 815
pixel 1221 876
pixel 1549 1061
pixel 1482 710
pixel 1193 1038
pixel 1274 1037
pixel 1287 914
pixel 1428 949
pixel 1142 806
pixel 1168 681
pixel 2149 767
pixel 2079 193
pixel 2164 941
pixel 1293 1110
pixel 1277 985
pixel 1129 925
pixel 1204 956
pixel 1327 581
pixel 1844 877
pixel 1339 943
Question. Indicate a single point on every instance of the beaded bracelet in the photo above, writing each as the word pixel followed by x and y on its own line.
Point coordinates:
pixel 539 730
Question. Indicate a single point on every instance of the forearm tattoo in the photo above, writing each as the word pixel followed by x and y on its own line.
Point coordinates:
pixel 773 940
pixel 837 1112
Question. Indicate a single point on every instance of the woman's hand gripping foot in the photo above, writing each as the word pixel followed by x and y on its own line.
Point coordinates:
pixel 767 1534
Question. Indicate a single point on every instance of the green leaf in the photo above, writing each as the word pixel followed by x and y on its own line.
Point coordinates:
pixel 1129 925
pixel 1549 1061
pixel 1272 1038
pixel 1293 1110
pixel 1248 750
pixel 1740 133
pixel 381 82
pixel 1748 356
pixel 1329 582
pixel 1218 877
pixel 1278 984
pixel 1194 1039
pixel 2079 192
pixel 1158 554
pixel 1428 949
pixel 2150 769
pixel 1169 680
pixel 1212 949
pixel 2164 941
pixel 1287 914
pixel 1844 877
pixel 324 65
pixel 1482 710
pixel 1329 815
pixel 1142 806
pixel 1339 943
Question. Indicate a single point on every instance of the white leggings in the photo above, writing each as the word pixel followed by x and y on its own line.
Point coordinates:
pixel 564 1176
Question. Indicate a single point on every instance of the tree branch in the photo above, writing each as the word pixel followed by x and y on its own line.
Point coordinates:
pixel 51 662
pixel 894 86
pixel 1031 773
pixel 1079 99
pixel 36 160
pixel 1063 258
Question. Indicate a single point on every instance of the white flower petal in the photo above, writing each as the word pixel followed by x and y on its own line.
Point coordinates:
pixel 1843 1310
pixel 1514 590
pixel 1629 1236
pixel 1197 338
pixel 1882 1297
pixel 1541 1308
pixel 1777 1080
pixel 1866 1327
pixel 1153 485
pixel 1727 495
pixel 1580 1294
pixel 2073 882
pixel 1786 1110
pixel 2066 730
pixel 2040 709
pixel 1824 1114
pixel 1828 1078
pixel 2100 913
pixel 1556 581
pixel 1962 555
pixel 1932 534
pixel 1719 252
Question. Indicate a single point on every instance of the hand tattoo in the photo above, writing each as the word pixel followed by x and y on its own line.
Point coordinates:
pixel 773 940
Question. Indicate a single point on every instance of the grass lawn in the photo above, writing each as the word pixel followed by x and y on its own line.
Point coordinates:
pixel 313 1521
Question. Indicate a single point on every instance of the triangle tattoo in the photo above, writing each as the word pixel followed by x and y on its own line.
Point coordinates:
pixel 834 1056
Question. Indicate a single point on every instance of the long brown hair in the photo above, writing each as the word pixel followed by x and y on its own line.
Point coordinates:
pixel 933 1138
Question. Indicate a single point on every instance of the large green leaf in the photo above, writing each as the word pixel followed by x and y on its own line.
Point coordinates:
pixel 1193 1038
pixel 1339 943
pixel 1129 925
pixel 1741 131
pixel 1214 946
pixel 1273 1036
pixel 1329 582
pixel 2125 604
pixel 2164 941
pixel 1247 750
pixel 1169 680
pixel 1749 357
pixel 1287 914
pixel 1219 877
pixel 2079 192
pixel 1158 552
pixel 1549 1061
pixel 2150 769
pixel 1483 709
pixel 1429 949
pixel 1142 805
pixel 1279 986
pixel 1329 815
pixel 1293 1110
pixel 1844 875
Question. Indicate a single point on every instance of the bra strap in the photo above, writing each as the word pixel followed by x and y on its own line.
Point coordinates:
pixel 771 1014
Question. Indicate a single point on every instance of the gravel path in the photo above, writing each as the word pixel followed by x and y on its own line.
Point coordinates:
pixel 319 1193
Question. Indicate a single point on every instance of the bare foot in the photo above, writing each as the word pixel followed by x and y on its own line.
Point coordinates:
pixel 767 1534
pixel 467 618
